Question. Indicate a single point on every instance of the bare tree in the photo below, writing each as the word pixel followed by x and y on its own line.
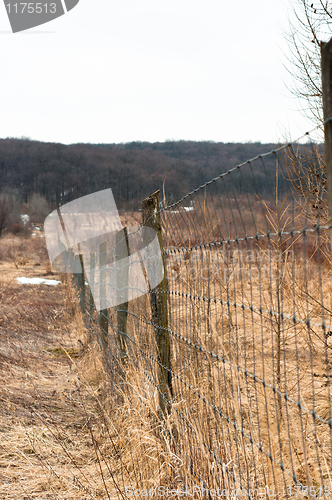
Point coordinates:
pixel 10 208
pixel 311 24
pixel 5 216
pixel 38 208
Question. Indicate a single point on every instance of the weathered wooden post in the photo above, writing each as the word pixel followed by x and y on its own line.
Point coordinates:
pixel 122 283
pixel 80 281
pixel 92 282
pixel 326 64
pixel 158 299
pixel 81 284
pixel 70 257
pixel 103 316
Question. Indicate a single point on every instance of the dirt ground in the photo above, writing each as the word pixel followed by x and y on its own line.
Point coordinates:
pixel 46 414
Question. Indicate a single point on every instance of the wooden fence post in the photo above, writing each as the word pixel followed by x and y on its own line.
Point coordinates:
pixel 103 316
pixel 326 64
pixel 158 298
pixel 80 281
pixel 122 283
pixel 82 284
pixel 92 282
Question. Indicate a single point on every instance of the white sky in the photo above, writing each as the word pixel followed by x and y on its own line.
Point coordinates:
pixel 149 70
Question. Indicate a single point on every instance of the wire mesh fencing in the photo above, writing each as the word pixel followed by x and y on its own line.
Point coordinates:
pixel 234 344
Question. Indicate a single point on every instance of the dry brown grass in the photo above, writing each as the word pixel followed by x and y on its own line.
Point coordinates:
pixel 66 432
pixel 45 448
pixel 229 353
pixel 246 342
pixel 73 428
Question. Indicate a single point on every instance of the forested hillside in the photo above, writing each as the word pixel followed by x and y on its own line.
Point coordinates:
pixel 133 170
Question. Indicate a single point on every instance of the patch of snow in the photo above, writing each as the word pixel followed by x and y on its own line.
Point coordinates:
pixel 37 281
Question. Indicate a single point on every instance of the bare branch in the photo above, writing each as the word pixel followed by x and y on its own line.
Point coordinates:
pixel 310 24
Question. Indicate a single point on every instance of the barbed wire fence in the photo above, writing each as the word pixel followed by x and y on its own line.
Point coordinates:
pixel 235 342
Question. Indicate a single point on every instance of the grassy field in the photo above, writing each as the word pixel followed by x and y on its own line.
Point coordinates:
pixel 41 414
pixel 63 434
pixel 76 424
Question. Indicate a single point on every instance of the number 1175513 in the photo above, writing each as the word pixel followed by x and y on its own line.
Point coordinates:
pixel 31 8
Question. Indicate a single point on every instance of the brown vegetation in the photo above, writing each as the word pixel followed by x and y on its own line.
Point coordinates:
pixel 75 426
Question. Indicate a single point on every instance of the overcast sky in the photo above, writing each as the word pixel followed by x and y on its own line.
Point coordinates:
pixel 149 70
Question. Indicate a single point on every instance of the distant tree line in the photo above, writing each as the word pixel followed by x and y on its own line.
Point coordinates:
pixel 60 173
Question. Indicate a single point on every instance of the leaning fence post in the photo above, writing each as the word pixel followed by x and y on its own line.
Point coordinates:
pixel 103 317
pixel 326 64
pixel 82 284
pixel 122 283
pixel 92 282
pixel 158 299
pixel 80 281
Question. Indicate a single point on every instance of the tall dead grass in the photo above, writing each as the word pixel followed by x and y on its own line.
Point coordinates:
pixel 250 329
pixel 251 359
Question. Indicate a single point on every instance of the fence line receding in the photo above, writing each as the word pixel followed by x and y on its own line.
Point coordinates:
pixel 235 343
